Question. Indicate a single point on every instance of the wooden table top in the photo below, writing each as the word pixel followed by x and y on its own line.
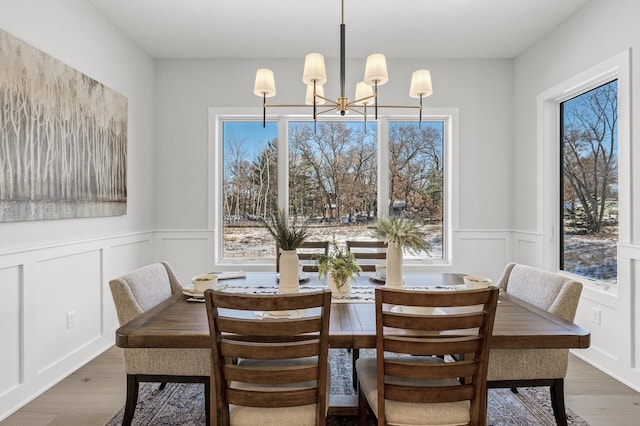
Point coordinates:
pixel 177 323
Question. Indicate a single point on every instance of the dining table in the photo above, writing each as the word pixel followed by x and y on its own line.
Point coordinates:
pixel 181 320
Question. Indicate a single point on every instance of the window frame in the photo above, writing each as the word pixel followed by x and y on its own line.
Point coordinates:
pixel 549 155
pixel 449 117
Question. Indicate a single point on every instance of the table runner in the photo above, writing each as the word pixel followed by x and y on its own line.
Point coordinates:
pixel 359 293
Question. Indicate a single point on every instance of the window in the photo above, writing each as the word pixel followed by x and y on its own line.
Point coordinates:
pixel 338 176
pixel 333 178
pixel 589 183
pixel 585 173
pixel 416 177
pixel 249 187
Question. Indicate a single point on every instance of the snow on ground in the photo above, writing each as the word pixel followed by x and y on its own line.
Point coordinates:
pixel 253 241
pixel 587 255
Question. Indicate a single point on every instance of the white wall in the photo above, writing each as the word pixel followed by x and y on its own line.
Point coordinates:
pixel 50 268
pixel 480 89
pixel 598 32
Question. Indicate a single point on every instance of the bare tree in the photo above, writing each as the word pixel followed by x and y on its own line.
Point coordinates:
pixel 589 143
pixel 416 169
pixel 236 172
pixel 265 181
pixel 342 162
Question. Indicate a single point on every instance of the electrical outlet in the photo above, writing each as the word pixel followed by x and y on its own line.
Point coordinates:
pixel 71 319
pixel 596 316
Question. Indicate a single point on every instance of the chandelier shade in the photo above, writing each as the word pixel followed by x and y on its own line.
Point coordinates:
pixel 364 94
pixel 420 84
pixel 265 84
pixel 309 98
pixel 375 72
pixel 314 69
pixel 314 75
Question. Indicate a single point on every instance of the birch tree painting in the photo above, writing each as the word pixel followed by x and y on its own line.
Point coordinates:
pixel 63 139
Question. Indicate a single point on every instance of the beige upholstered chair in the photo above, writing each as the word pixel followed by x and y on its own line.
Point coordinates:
pixel 133 294
pixel 368 250
pixel 408 382
pixel 282 374
pixel 510 368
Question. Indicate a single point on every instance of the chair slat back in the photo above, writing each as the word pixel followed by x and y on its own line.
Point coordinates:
pixel 308 251
pixel 307 254
pixel 283 361
pixel 423 324
pixel 368 250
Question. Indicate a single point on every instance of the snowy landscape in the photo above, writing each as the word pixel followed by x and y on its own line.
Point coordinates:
pixel 252 240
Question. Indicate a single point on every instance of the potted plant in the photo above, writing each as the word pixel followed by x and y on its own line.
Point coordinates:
pixel 400 234
pixel 288 238
pixel 339 267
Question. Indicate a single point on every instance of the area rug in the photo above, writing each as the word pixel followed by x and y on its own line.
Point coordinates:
pixel 183 404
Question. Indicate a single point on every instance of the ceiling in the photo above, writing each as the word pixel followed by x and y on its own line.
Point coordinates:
pixel 292 28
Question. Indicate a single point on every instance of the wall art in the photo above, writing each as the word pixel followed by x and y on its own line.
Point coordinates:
pixel 63 139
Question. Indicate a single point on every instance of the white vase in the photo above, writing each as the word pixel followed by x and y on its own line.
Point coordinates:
pixel 289 272
pixel 394 265
pixel 341 290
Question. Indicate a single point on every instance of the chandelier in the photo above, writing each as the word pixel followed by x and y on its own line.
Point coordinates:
pixel 366 94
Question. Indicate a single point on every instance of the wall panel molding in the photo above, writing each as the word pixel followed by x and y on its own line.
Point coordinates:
pixel 40 286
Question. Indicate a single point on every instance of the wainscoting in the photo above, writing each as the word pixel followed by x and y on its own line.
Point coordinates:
pixel 57 312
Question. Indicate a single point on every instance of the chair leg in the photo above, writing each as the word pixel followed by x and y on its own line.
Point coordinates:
pixel 162 386
pixel 207 401
pixel 514 390
pixel 132 399
pixel 362 410
pixel 556 391
pixel 354 357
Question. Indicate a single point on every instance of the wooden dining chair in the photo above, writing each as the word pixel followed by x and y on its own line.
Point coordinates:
pixel 369 252
pixel 373 251
pixel 416 377
pixel 307 253
pixel 510 368
pixel 133 294
pixel 281 375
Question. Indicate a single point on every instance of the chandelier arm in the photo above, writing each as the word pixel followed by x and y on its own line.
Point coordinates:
pixel 328 100
pixel 356 101
pixel 326 111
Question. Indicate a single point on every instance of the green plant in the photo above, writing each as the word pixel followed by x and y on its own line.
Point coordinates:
pixel 341 265
pixel 404 232
pixel 287 236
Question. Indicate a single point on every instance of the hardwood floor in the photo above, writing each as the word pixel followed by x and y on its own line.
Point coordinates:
pixel 92 394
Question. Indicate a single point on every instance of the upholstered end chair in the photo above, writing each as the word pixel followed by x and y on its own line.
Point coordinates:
pixel 511 368
pixel 134 294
